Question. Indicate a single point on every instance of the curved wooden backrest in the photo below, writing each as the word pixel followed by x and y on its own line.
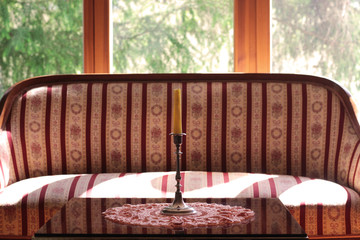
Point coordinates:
pixel 267 123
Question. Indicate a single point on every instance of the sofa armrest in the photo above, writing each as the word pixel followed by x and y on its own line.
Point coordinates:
pixel 354 176
pixel 5 158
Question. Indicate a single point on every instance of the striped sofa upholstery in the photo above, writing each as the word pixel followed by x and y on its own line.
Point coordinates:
pixel 294 137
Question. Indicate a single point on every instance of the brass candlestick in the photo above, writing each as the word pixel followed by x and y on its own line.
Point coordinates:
pixel 178 207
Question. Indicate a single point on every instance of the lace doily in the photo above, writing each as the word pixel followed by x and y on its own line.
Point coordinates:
pixel 208 215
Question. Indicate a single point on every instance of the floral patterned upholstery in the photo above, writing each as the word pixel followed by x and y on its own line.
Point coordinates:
pixel 285 136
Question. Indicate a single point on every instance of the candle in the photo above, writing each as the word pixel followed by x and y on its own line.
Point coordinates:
pixel 177 111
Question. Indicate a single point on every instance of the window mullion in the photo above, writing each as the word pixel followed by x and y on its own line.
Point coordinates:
pixel 252 36
pixel 96 36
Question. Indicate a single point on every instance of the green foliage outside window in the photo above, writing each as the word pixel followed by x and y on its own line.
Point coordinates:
pixel 160 36
pixel 39 37
pixel 320 37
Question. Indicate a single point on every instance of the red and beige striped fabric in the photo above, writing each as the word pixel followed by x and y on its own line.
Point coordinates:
pixel 321 207
pixel 69 134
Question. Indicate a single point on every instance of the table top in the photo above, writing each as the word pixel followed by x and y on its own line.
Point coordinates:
pixel 81 218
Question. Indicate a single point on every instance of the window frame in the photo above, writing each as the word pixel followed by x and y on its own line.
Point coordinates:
pixel 251 36
pixel 96 15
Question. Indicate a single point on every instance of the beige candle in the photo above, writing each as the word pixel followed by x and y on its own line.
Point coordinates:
pixel 177 111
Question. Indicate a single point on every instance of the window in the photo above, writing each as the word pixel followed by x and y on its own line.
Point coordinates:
pixel 251 45
pixel 172 36
pixel 73 36
pixel 318 38
pixel 39 38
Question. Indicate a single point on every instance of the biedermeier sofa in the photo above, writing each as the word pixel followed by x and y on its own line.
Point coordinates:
pixel 292 137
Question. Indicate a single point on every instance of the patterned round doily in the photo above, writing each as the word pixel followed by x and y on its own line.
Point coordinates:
pixel 208 215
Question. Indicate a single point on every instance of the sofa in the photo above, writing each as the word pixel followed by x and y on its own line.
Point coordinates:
pixel 287 136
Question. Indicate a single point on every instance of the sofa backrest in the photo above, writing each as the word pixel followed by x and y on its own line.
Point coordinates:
pixel 262 123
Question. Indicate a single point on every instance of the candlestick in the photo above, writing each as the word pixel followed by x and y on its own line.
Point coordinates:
pixel 178 207
pixel 177 111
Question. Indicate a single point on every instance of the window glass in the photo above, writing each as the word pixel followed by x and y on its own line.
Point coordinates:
pixel 159 36
pixel 39 38
pixel 318 37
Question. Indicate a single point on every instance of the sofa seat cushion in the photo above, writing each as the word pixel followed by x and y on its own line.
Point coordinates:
pixel 321 207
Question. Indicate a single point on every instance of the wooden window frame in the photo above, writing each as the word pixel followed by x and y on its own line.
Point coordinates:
pixel 96 36
pixel 251 36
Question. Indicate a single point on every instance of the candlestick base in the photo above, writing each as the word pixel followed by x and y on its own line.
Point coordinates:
pixel 178 207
